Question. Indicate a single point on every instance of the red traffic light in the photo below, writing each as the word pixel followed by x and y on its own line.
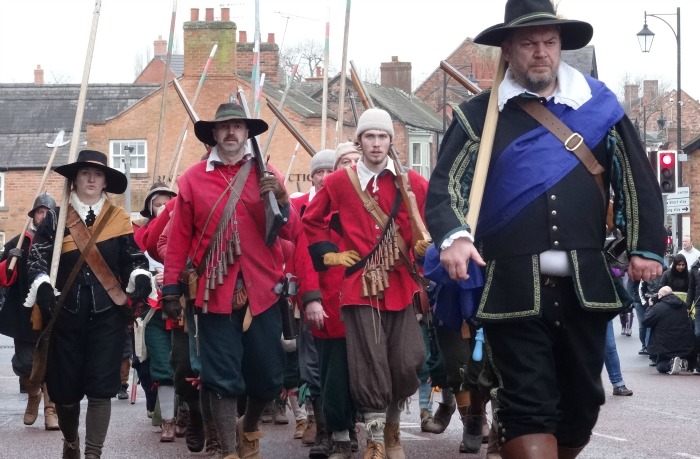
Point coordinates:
pixel 666 171
pixel 667 159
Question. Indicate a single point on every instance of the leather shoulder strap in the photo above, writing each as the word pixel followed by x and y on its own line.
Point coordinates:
pixel 234 196
pixel 573 141
pixel 86 244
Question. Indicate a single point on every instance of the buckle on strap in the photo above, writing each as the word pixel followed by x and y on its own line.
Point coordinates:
pixel 573 137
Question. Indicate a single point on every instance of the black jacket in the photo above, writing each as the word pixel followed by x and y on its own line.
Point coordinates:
pixel 672 331
pixel 14 317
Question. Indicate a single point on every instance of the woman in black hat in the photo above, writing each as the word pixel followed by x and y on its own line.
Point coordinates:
pixel 88 333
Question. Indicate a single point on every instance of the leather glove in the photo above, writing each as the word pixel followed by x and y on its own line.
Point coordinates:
pixel 271 183
pixel 46 300
pixel 16 252
pixel 172 309
pixel 420 248
pixel 142 288
pixel 347 258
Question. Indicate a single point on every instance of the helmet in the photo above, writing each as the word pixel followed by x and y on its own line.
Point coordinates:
pixel 43 200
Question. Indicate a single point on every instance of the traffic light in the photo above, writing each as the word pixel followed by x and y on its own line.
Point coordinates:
pixel 667 171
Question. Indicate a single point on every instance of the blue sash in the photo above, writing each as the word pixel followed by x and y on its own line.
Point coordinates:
pixel 537 160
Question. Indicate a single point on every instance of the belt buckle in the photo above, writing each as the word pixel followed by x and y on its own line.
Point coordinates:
pixel 549 281
pixel 574 137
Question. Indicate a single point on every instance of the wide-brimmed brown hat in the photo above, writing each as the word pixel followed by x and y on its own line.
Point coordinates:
pixel 115 181
pixel 156 189
pixel 226 112
pixel 533 13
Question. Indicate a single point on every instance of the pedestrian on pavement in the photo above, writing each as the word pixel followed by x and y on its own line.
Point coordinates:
pixel 677 276
pixel 15 320
pixel 85 353
pixel 384 343
pixel 690 253
pixel 548 294
pixel 239 321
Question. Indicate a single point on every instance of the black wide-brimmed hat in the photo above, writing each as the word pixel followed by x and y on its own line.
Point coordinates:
pixel 156 189
pixel 115 181
pixel 533 13
pixel 226 112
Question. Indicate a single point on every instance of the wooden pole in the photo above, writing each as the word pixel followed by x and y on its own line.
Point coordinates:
pixel 343 71
pixel 172 170
pixel 58 142
pixel 485 148
pixel 166 77
pixel 75 141
pixel 324 102
pixel 271 132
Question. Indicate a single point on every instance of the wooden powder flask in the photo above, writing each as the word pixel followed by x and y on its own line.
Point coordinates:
pixel 237 244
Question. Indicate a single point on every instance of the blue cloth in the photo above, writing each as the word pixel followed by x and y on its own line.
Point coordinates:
pixel 612 360
pixel 537 160
pixel 455 301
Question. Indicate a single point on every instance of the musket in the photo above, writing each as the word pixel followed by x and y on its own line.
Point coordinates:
pixel 418 229
pixel 271 131
pixel 290 127
pixel 58 142
pixel 461 79
pixel 273 217
pixel 186 103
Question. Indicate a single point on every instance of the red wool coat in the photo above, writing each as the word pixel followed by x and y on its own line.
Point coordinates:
pixel 262 266
pixel 361 233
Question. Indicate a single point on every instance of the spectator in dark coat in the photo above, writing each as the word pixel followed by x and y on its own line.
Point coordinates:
pixel 672 338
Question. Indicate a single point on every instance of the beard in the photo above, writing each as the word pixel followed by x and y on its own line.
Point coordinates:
pixel 537 84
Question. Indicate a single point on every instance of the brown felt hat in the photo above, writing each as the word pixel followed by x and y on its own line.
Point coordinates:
pixel 115 181
pixel 534 13
pixel 226 112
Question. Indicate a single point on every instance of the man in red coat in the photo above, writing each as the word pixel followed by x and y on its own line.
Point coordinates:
pixel 384 343
pixel 239 325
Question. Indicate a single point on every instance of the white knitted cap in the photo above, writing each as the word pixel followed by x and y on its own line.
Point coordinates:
pixel 374 118
pixel 324 159
pixel 343 149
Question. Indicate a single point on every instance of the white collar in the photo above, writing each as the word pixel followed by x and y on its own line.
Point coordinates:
pixel 215 160
pixel 365 175
pixel 83 209
pixel 312 193
pixel 572 88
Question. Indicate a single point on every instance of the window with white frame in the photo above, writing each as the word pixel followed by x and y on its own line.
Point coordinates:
pixel 420 146
pixel 137 154
pixel 2 189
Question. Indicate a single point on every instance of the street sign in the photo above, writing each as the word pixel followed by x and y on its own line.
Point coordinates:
pixel 677 202
pixel 677 210
pixel 681 192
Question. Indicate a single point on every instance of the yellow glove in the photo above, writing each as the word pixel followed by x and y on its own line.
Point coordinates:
pixel 420 248
pixel 347 258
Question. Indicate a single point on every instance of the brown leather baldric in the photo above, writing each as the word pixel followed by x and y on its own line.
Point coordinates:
pixel 81 235
pixel 573 141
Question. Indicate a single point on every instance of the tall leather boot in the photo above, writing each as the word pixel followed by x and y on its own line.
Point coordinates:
pixel 322 445
pixel 224 412
pixel 392 441
pixel 533 446
pixel 50 418
pixel 99 411
pixel 194 434
pixel 33 400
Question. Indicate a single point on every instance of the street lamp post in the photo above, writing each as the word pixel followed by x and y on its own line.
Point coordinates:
pixel 646 37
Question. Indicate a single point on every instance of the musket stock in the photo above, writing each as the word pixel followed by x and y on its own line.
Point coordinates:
pixel 457 75
pixel 273 216
pixel 418 229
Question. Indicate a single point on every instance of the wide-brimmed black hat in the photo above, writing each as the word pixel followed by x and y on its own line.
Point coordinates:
pixel 115 181
pixel 532 13
pixel 156 189
pixel 225 112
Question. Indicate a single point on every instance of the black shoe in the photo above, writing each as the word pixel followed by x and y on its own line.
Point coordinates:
pixel 622 390
pixel 643 351
pixel 122 394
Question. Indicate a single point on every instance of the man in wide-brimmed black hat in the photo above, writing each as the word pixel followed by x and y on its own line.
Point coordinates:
pixel 239 329
pixel 548 294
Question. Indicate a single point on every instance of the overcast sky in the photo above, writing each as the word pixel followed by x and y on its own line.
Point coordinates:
pixel 54 34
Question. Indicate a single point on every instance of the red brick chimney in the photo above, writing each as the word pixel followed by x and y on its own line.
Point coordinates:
pixel 160 46
pixel 38 75
pixel 396 74
pixel 242 36
pixel 199 38
pixel 269 56
pixel 225 14
pixel 270 37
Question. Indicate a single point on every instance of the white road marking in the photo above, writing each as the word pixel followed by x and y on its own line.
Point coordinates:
pixel 689 456
pixel 610 437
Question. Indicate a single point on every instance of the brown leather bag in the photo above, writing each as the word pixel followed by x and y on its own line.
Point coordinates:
pixel 189 279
